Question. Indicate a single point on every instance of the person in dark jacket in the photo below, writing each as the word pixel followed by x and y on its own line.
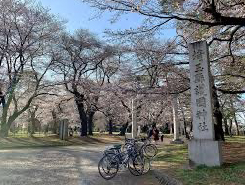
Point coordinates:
pixel 150 133
pixel 155 134
pixel 162 136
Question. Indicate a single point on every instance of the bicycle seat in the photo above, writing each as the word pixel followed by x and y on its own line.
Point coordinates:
pixel 118 146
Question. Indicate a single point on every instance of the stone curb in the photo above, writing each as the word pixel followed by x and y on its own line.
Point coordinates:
pixel 165 179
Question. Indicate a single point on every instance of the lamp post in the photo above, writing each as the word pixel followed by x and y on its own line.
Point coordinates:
pixel 134 112
pixel 134 118
pixel 176 140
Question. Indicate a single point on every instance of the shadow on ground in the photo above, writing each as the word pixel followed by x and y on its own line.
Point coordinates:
pixel 59 166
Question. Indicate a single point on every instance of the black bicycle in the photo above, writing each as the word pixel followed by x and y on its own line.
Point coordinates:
pixel 114 159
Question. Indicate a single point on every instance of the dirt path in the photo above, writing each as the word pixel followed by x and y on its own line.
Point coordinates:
pixel 73 165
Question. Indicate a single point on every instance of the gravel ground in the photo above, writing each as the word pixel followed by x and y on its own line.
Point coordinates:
pixel 73 165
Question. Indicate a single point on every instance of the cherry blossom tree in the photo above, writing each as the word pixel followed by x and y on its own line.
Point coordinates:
pixel 28 34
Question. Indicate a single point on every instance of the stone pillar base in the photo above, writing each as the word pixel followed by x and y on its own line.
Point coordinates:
pixel 177 141
pixel 205 152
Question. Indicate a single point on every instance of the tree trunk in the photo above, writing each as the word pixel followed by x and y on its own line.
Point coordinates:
pixel 83 117
pixel 110 126
pixel 237 127
pixel 6 124
pixel 184 120
pixel 171 125
pixel 226 127
pixel 90 122
pixel 32 125
pixel 218 117
pixel 55 122
pixel 230 127
pixel 234 115
pixel 4 118
pixel 171 128
pixel 4 130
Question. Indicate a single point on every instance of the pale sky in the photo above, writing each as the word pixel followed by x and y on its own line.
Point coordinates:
pixel 78 16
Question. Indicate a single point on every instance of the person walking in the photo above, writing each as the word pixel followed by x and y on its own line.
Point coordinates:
pixel 162 136
pixel 150 133
pixel 155 134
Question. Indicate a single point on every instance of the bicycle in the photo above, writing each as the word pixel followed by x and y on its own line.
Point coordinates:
pixel 111 162
pixel 147 149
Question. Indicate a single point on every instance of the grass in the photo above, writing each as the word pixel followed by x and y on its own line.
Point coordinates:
pixel 172 153
pixel 236 139
pixel 225 175
pixel 173 160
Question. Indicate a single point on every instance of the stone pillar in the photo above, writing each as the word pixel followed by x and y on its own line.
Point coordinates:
pixel 134 118
pixel 138 131
pixel 176 120
pixel 202 149
pixel 63 129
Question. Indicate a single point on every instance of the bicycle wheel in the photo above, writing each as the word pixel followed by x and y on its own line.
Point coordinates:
pixel 149 150
pixel 108 166
pixel 136 165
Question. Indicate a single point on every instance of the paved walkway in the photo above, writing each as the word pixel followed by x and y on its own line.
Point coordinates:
pixel 73 165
